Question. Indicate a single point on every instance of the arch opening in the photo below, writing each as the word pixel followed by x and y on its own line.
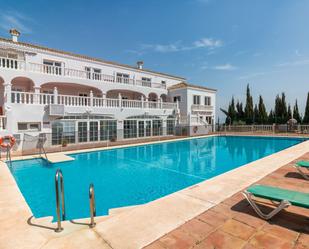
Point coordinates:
pixel 70 89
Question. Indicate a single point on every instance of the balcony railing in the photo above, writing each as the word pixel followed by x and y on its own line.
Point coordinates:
pixel 31 98
pixel 73 73
pixel 202 108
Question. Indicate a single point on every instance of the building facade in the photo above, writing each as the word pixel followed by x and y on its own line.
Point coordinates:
pixel 79 99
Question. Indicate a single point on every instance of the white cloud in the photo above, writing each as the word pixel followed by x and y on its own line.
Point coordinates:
pixel 225 67
pixel 14 19
pixel 204 43
pixel 293 63
pixel 207 43
pixel 258 74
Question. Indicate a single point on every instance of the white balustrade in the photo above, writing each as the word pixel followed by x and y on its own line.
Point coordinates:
pixel 12 63
pixel 73 73
pixel 70 100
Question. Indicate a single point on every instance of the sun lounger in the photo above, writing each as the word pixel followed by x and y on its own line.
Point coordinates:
pixel 302 165
pixel 284 197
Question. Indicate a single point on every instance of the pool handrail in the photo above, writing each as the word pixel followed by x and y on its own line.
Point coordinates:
pixel 57 176
pixel 92 206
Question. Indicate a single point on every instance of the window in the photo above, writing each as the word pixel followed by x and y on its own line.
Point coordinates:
pixel 88 72
pixel 130 128
pixel 146 81
pixel 170 126
pixel 68 132
pixel 207 101
pixel 96 74
pixel 177 98
pixel 108 130
pixel 29 126
pixel 52 67
pixel 123 78
pixel 208 119
pixel 6 60
pixel 163 82
pixel 196 99
pixel 93 131
pixel 157 128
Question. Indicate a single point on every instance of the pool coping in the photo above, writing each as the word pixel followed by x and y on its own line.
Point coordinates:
pixel 137 227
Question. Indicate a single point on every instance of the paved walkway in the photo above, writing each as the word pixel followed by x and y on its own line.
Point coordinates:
pixel 233 224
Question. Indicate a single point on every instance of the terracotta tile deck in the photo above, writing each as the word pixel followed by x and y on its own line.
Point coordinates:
pixel 233 223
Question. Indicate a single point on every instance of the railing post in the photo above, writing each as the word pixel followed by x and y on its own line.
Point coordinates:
pixel 59 218
pixel 55 95
pixel 92 206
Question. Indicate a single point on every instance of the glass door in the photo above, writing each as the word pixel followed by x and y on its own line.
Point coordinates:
pixel 82 131
pixel 141 128
pixel 148 128
pixel 94 131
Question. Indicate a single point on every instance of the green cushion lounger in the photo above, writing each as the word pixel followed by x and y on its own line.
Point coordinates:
pixel 302 164
pixel 285 198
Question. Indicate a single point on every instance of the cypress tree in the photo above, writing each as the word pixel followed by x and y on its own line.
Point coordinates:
pixel 256 117
pixel 284 116
pixel 306 116
pixel 249 107
pixel 231 111
pixel 278 110
pixel 263 117
pixel 289 113
pixel 271 119
pixel 296 114
pixel 240 111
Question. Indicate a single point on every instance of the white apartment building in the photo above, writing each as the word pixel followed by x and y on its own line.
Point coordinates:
pixel 83 99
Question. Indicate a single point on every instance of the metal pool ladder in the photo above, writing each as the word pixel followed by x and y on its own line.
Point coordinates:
pixel 92 206
pixel 58 177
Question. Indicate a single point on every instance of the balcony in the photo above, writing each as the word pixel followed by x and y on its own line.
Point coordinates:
pixel 15 64
pixel 202 108
pixel 30 98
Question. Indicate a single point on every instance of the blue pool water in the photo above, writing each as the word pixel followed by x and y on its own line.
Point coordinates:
pixel 136 175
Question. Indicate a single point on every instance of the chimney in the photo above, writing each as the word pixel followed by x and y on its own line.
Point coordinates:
pixel 14 33
pixel 140 64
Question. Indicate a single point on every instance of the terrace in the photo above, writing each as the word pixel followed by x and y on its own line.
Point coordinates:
pixel 70 73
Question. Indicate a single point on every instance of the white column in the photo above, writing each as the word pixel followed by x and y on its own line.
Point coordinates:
pixel 36 98
pixel 104 104
pixel 161 105
pixel 7 93
pixel 91 98
pixel 142 100
pixel 120 100
pixel 55 95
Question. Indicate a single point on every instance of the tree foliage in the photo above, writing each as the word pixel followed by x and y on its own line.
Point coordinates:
pixel 257 113
pixel 249 107
pixel 296 114
pixel 306 115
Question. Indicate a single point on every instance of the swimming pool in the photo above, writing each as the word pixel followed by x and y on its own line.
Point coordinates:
pixel 139 174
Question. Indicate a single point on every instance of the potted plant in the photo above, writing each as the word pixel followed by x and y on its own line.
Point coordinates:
pixel 113 139
pixel 64 142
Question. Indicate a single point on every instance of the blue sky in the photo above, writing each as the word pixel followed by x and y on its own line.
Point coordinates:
pixel 222 44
